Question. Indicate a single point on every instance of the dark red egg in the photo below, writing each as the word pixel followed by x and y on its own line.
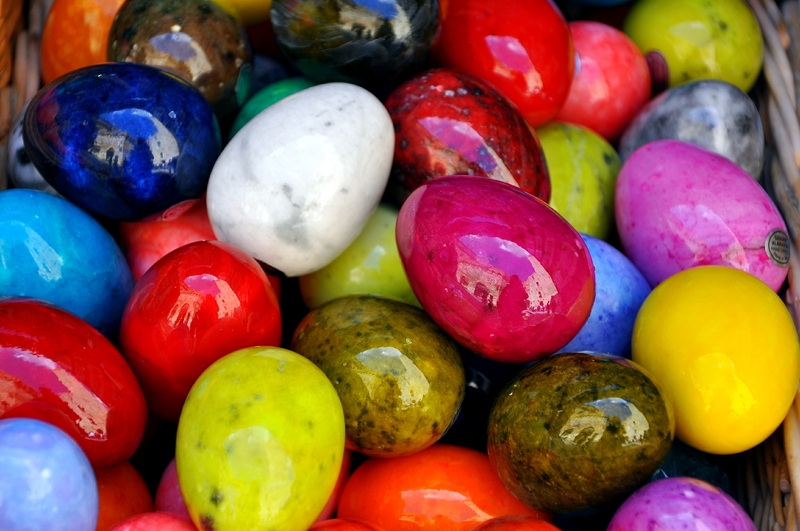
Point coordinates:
pixel 450 123
pixel 521 47
pixel 200 302
pixel 56 368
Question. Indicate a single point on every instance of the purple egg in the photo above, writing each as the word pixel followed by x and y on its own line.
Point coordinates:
pixel 680 504
pixel 680 206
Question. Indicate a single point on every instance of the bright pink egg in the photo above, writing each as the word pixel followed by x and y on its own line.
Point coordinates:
pixel 611 81
pixel 496 268
pixel 521 47
pixel 169 498
pixel 155 522
pixel 195 305
pixel 680 206
pixel 56 368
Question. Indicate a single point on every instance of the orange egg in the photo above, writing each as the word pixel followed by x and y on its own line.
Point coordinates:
pixel 446 488
pixel 122 493
pixel 75 35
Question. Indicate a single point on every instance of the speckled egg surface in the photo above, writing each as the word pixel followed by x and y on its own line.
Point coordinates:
pixel 576 431
pixel 399 376
pixel 680 503
pixel 680 206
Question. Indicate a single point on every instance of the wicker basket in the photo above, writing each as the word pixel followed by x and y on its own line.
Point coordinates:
pixel 20 28
pixel 766 473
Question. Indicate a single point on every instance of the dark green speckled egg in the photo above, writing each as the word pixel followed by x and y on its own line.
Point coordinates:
pixel 398 375
pixel 578 431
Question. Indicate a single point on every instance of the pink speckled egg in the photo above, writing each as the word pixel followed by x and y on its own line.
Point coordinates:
pixel 680 504
pixel 496 268
pixel 680 206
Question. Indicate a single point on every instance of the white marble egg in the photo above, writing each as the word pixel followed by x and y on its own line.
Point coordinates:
pixel 298 183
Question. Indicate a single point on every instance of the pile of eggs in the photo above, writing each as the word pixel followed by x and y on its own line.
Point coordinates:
pixel 451 265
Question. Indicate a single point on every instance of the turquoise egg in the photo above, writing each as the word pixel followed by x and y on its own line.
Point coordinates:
pixel 54 251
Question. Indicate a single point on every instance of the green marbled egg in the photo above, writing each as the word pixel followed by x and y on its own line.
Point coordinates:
pixel 576 431
pixel 398 375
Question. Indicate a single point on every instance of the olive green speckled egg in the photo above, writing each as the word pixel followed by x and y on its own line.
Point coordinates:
pixel 398 375
pixel 577 431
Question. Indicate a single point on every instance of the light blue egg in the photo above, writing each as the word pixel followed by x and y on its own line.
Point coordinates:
pixel 46 481
pixel 620 291
pixel 52 250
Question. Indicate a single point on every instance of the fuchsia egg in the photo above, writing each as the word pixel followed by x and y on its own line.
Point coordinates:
pixel 680 206
pixel 496 268
pixel 678 504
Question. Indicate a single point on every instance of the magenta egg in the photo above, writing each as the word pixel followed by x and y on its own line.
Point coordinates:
pixel 678 504
pixel 496 268
pixel 680 206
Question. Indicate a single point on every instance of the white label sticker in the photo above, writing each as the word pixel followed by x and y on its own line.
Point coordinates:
pixel 777 247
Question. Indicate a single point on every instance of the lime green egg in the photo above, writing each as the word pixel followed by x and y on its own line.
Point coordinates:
pixel 370 266
pixel 260 442
pixel 583 174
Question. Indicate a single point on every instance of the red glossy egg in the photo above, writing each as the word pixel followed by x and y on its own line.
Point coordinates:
pixel 148 240
pixel 496 268
pixel 521 47
pixel 339 524
pixel 122 493
pixel 442 488
pixel 449 123
pixel 515 523
pixel 195 305
pixel 56 368
pixel 611 83
pixel 155 522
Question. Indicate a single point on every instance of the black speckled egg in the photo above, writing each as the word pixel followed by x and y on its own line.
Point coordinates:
pixel 399 376
pixel 578 431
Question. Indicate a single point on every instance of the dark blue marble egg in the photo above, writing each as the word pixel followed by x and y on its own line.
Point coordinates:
pixel 122 140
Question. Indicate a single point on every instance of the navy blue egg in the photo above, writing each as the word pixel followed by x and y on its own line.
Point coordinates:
pixel 122 140
pixel 620 291
pixel 54 251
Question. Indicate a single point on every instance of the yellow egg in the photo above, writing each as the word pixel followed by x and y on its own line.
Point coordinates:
pixel 725 350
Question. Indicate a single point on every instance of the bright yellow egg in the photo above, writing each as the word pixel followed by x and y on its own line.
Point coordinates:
pixel 725 350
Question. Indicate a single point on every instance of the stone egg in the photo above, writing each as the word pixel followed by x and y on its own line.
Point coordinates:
pixel 122 140
pixel 497 268
pixel 679 503
pixel 195 39
pixel 711 114
pixel 398 375
pixel 680 206
pixel 297 183
pixel 365 42
pixel 450 123
pixel 620 291
pixel 576 431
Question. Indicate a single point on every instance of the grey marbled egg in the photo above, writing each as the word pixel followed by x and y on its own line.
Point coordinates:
pixel 711 114
pixel 21 171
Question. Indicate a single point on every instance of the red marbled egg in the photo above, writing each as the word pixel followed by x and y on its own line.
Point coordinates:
pixel 496 268
pixel 521 47
pixel 56 368
pixel 450 123
pixel 200 302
